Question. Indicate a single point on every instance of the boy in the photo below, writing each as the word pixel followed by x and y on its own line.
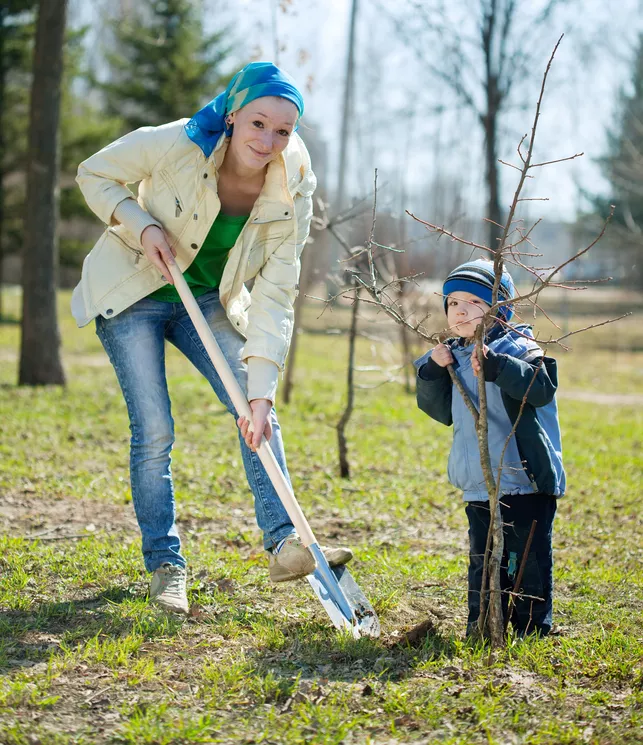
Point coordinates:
pixel 531 474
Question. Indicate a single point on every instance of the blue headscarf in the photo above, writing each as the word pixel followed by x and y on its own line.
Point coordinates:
pixel 254 81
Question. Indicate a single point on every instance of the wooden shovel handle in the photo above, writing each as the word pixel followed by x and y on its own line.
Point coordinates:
pixel 240 403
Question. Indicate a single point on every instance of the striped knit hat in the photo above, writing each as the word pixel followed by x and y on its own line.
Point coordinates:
pixel 477 278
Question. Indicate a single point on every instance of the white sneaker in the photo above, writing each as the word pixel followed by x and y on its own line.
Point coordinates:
pixel 168 588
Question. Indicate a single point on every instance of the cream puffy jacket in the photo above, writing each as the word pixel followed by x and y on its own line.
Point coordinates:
pixel 178 191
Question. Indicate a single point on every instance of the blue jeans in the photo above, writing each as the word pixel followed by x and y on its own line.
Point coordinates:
pixel 135 343
pixel 532 613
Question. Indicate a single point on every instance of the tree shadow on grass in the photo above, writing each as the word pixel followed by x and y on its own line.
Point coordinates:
pixel 30 637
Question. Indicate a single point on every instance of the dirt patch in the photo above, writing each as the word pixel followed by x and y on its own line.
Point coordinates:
pixel 51 519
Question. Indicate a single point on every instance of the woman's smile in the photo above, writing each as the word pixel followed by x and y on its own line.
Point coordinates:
pixel 258 153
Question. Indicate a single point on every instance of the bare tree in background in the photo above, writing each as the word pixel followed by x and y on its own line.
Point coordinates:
pixel 304 282
pixel 40 360
pixel 310 256
pixel 347 110
pixel 482 69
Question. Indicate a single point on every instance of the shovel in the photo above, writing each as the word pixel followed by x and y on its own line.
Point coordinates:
pixel 336 589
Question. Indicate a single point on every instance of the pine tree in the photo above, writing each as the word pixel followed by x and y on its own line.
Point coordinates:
pixel 84 128
pixel 162 65
pixel 623 167
pixel 16 40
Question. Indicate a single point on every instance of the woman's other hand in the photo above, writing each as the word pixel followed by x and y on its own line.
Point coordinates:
pixel 158 250
pixel 261 408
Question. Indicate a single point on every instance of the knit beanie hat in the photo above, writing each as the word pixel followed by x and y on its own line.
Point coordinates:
pixel 477 277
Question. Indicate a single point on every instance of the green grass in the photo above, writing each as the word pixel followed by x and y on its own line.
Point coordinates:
pixel 84 660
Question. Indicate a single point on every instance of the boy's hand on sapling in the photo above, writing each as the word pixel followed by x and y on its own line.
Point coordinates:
pixel 441 355
pixel 475 364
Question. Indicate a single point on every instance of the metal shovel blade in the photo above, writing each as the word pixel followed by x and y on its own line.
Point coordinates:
pixel 343 600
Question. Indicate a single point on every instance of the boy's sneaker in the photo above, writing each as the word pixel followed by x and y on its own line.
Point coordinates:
pixel 168 588
pixel 292 560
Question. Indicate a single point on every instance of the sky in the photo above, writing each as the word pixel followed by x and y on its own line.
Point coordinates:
pixel 591 66
pixel 444 150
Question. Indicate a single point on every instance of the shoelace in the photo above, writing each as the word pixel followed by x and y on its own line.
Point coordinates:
pixel 174 581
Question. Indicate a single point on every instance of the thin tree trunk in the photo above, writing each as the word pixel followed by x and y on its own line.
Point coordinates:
pixel 490 119
pixel 406 352
pixel 403 269
pixel 292 352
pixel 518 582
pixel 275 32
pixel 40 360
pixel 494 212
pixel 407 357
pixel 344 467
pixel 346 110
pixel 492 621
pixel 3 72
pixel 304 282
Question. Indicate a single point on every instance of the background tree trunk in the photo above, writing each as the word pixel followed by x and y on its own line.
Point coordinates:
pixel 344 465
pixel 347 109
pixel 40 360
pixel 3 13
pixel 494 19
pixel 492 176
pixel 304 281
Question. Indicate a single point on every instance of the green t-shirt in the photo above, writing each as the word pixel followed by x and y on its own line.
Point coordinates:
pixel 205 272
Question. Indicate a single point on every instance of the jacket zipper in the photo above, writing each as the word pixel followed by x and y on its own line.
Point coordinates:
pixel 136 251
pixel 168 180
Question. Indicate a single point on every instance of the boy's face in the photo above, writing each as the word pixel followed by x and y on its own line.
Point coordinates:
pixel 464 312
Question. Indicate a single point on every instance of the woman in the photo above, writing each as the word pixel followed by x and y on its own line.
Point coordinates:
pixel 227 196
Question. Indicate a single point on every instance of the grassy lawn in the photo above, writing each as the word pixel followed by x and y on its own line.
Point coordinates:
pixel 83 659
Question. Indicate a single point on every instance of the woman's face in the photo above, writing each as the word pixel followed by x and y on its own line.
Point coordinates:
pixel 262 129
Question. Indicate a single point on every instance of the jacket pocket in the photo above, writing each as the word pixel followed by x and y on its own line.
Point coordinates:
pixel 169 182
pixel 138 254
pixel 262 250
pixel 109 264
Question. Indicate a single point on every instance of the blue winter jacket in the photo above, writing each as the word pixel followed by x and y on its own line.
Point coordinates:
pixel 533 459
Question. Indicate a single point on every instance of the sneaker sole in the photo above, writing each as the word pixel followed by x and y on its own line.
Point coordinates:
pixel 278 574
pixel 178 610
pixel 340 561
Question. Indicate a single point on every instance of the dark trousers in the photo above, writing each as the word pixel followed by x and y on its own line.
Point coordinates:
pixel 532 613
